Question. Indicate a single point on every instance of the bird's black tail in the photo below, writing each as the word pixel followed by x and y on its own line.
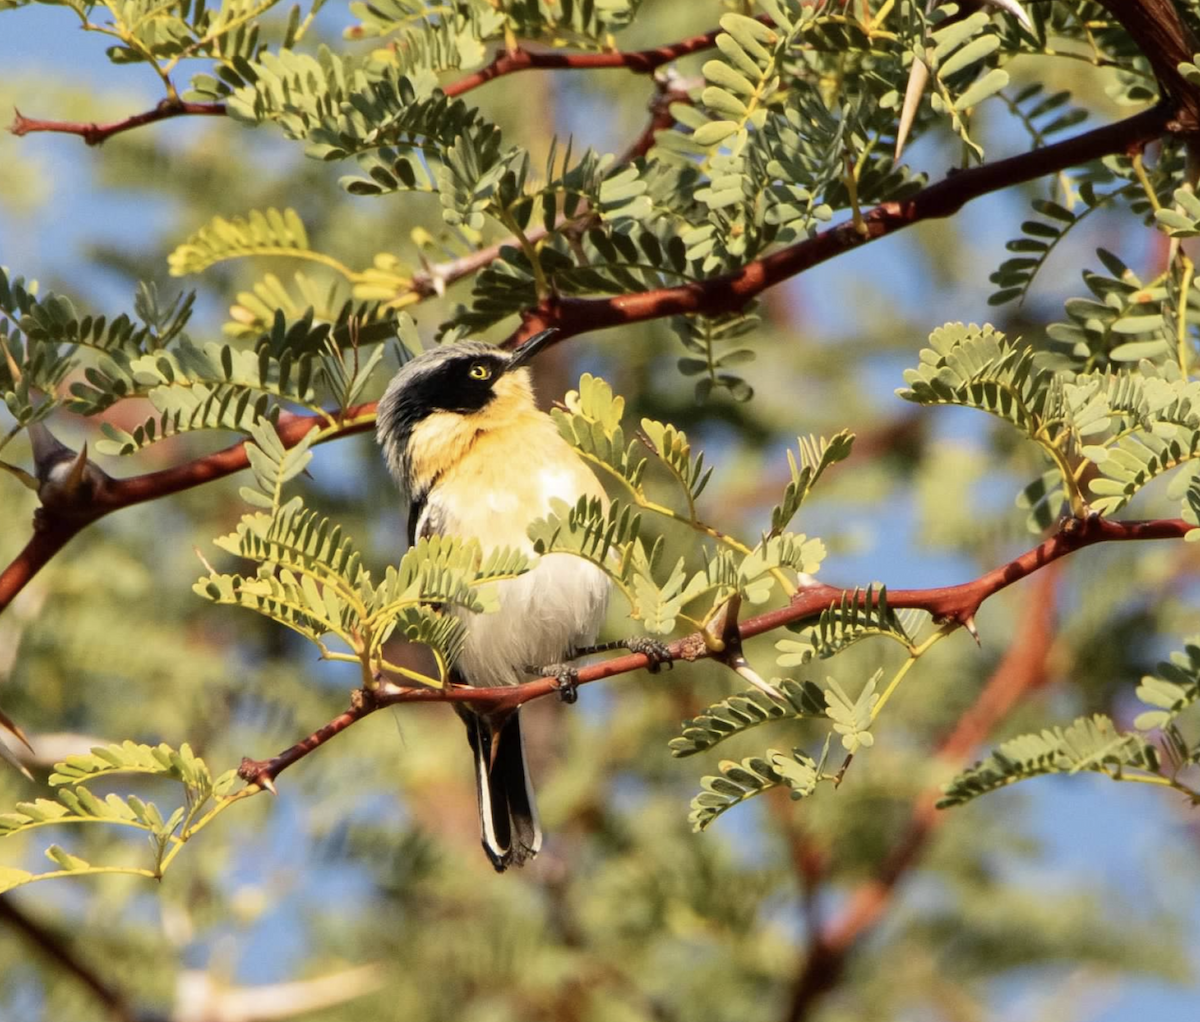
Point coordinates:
pixel 508 820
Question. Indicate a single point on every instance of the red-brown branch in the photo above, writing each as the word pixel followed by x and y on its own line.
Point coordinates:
pixel 505 63
pixel 946 603
pixel 94 134
pixel 1023 669
pixel 573 316
pixel 638 61
pixel 56 531
pixel 56 527
pixel 731 291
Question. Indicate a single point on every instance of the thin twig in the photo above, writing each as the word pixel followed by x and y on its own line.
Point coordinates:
pixel 505 63
pixel 94 134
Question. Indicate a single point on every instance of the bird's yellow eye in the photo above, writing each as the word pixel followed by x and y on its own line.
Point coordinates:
pixel 480 372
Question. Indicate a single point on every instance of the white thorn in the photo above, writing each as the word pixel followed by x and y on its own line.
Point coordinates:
pixel 918 78
pixel 1013 8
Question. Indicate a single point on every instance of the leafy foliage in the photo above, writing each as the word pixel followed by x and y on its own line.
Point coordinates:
pixel 956 49
pixel 447 201
pixel 816 455
pixel 860 614
pixel 1132 427
pixel 1039 237
pixel 204 798
pixel 752 776
pixel 310 576
pixel 591 423
pixel 738 713
pixel 1091 743
pixel 266 232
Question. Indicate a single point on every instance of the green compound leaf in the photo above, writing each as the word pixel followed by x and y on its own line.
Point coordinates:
pixel 816 455
pixel 1039 238
pixel 1172 689
pixel 711 360
pixel 852 718
pixel 1090 743
pixel 746 710
pixel 859 615
pixel 655 604
pixel 793 551
pixel 128 757
pixel 977 367
pixel 738 782
pixel 672 448
pixel 591 424
pixel 296 601
pixel 269 232
pixel 1137 459
pixel 954 56
pixel 1184 221
pixel 588 530
pixel 299 539
pixel 274 465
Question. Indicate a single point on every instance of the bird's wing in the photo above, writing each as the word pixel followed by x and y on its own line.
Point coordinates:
pixel 425 518
pixel 416 507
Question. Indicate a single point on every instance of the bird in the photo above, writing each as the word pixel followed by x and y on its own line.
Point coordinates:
pixel 475 458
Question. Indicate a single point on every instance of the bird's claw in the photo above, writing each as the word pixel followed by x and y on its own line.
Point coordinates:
pixel 653 650
pixel 566 680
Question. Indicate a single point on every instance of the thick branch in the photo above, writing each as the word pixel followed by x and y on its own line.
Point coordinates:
pixel 55 534
pixel 1166 42
pixel 55 527
pixel 730 292
pixel 946 603
pixel 727 293
pixel 58 950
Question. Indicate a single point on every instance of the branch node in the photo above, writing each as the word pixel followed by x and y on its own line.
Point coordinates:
pixel 692 647
pixel 257 771
pixel 68 483
pixel 724 643
pixel 363 698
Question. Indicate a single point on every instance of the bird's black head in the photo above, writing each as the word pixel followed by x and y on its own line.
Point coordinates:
pixel 460 380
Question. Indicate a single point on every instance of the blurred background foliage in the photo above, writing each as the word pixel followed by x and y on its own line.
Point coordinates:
pixel 1070 899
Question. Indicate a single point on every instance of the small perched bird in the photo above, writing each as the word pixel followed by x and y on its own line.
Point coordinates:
pixel 476 459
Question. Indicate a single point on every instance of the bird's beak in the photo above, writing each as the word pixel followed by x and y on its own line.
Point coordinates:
pixel 532 347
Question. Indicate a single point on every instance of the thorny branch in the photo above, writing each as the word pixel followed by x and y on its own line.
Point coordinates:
pixel 1153 23
pixel 572 316
pixel 505 63
pixel 732 291
pixel 957 604
pixel 57 524
pixel 94 134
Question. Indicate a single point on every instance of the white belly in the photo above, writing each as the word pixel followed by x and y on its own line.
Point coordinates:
pixel 550 611
pixel 544 615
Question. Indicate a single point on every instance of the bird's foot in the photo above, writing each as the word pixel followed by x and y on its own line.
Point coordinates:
pixel 653 650
pixel 566 679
